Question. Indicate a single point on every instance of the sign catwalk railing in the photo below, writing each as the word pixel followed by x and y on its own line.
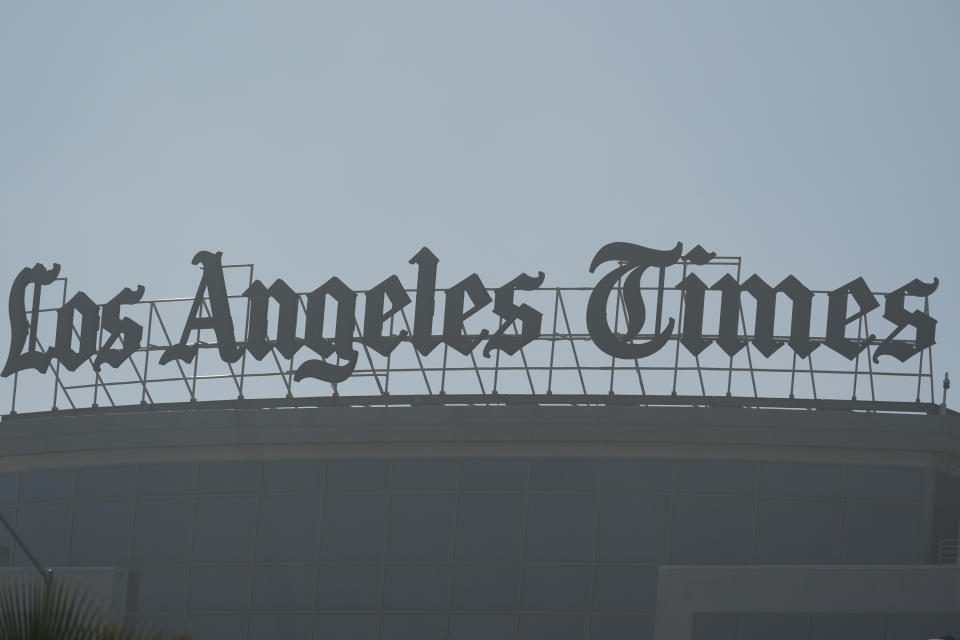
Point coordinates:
pixel 651 331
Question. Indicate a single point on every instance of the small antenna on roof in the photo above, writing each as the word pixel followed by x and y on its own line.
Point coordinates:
pixel 946 385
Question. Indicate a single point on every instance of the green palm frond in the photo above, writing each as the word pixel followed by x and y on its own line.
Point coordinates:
pixel 31 610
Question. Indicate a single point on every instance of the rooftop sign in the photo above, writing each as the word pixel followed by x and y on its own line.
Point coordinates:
pixel 329 329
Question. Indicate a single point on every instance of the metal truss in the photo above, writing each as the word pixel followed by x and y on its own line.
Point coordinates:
pixel 532 376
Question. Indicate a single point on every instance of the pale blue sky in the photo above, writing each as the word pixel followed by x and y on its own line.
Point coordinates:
pixel 314 139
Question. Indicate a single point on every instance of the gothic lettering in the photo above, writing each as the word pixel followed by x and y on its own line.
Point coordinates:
pixel 17 360
pixel 374 316
pixel 81 323
pixel 454 316
pixel 423 338
pixel 530 319
pixel 123 329
pixel 837 319
pixel 259 296
pixel 342 344
pixel 693 295
pixel 89 327
pixel 220 320
pixel 635 260
pixel 925 326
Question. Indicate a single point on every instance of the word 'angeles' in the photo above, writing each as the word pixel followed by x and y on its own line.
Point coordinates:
pixel 388 298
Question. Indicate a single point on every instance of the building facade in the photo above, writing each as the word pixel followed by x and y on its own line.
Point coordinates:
pixel 480 522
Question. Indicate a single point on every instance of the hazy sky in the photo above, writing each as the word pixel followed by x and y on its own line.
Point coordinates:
pixel 316 139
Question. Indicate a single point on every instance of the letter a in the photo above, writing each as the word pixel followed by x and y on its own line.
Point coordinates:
pixel 219 320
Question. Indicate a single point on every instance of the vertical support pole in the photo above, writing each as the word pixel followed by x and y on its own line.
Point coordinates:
pixel 573 346
pixel 246 330
pixel 926 309
pixel 813 383
pixel 35 315
pixel 616 324
pixel 919 376
pixel 336 389
pixel 553 342
pixel 13 400
pixel 443 372
pixel 196 366
pixel 96 376
pixel 730 365
pixel 196 362
pixel 416 353
pixel 943 403
pixel 523 358
pixel 476 369
pixel 663 276
pixel 496 363
pixel 753 375
pixel 366 351
pixel 866 329
pixel 636 361
pixel 676 353
pixel 33 334
pixel 793 374
pixel 290 378
pixel 856 365
pixel 146 356
pixel 386 385
pixel 703 388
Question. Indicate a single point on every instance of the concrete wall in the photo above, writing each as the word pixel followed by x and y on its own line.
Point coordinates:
pixel 684 591
pixel 768 434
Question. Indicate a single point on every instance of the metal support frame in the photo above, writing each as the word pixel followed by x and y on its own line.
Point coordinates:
pixel 503 399
pixel 389 370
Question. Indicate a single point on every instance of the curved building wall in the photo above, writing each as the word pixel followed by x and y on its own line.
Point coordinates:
pixel 473 523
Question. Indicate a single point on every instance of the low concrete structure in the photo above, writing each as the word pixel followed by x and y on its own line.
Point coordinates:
pixel 683 592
